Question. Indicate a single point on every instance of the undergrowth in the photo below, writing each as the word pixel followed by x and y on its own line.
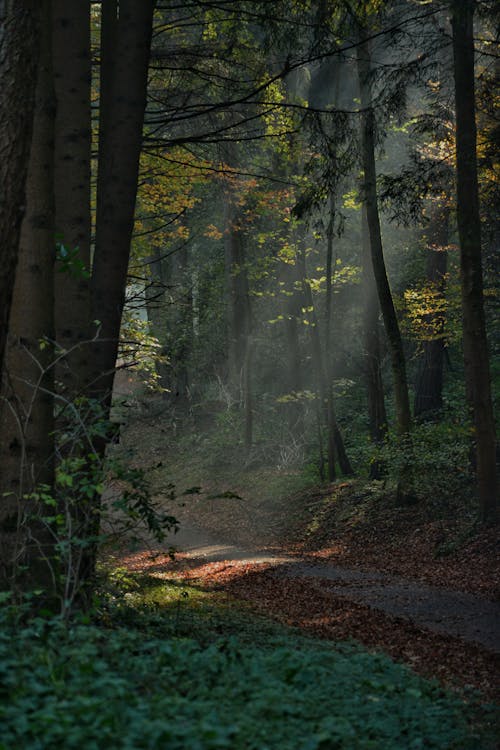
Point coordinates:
pixel 164 665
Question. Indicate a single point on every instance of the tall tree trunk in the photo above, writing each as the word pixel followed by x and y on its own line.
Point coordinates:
pixel 184 325
pixel 126 29
pixel 377 416
pixel 239 315
pixel 156 309
pixel 429 385
pixel 329 280
pixel 335 443
pixel 391 324
pixel 238 303
pixel 72 74
pixel 125 50
pixel 19 33
pixel 26 436
pixel 294 374
pixel 477 369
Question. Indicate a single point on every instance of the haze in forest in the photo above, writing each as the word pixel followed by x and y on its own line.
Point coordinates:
pixel 280 226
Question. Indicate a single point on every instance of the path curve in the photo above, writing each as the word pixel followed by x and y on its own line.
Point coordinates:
pixel 466 616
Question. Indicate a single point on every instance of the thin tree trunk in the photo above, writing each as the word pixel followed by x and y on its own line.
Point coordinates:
pixel 236 290
pixel 72 74
pixel 156 310
pixel 377 416
pixel 184 325
pixel 126 40
pixel 247 387
pixel 338 443
pixel 19 36
pixel 294 375
pixel 329 279
pixel 391 324
pixel 477 369
pixel 26 435
pixel 335 443
pixel 429 385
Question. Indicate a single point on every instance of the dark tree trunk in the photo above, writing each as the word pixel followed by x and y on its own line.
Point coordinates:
pixel 294 375
pixel 477 369
pixel 26 408
pixel 330 348
pixel 239 314
pixel 429 385
pixel 329 280
pixel 238 308
pixel 19 35
pixel 184 324
pixel 373 362
pixel 391 324
pixel 335 444
pixel 126 29
pixel 155 293
pixel 72 74
pixel 125 50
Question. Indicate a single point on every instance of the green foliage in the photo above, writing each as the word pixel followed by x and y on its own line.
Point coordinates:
pixel 88 686
pixel 438 456
pixel 140 350
pixel 68 522
pixel 68 261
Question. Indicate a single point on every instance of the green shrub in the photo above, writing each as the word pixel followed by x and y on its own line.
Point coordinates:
pixel 438 458
pixel 90 687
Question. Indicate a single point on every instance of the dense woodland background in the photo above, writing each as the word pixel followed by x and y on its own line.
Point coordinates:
pixel 282 215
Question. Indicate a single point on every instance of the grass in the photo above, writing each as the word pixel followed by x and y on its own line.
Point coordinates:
pixel 167 665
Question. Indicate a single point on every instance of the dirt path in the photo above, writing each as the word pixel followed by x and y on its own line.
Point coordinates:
pixel 472 618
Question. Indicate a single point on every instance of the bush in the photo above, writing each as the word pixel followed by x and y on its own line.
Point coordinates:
pixel 438 458
pixel 91 687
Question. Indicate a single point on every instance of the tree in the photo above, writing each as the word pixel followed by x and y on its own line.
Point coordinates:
pixel 335 444
pixel 19 31
pixel 72 155
pixel 377 417
pixel 477 371
pixel 26 442
pixel 429 384
pixel 125 50
pixel 403 415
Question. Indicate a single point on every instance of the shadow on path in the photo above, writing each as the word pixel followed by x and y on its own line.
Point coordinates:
pixel 472 618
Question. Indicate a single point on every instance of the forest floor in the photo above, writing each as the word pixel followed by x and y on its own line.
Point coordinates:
pixel 440 632
pixel 338 561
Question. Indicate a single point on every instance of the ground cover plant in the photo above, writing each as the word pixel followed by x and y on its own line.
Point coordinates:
pixel 135 679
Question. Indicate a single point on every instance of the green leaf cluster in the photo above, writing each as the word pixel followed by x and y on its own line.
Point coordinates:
pixel 92 687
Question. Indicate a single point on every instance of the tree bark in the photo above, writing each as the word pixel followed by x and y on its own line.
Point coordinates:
pixel 238 303
pixel 180 336
pixel 26 408
pixel 19 35
pixel 477 369
pixel 294 374
pixel 156 304
pixel 429 385
pixel 239 313
pixel 72 146
pixel 377 416
pixel 125 45
pixel 402 403
pixel 335 444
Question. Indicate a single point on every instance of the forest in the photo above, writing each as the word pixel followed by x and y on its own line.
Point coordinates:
pixel 249 366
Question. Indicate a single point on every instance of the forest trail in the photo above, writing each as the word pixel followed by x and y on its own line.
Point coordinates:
pixel 470 617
